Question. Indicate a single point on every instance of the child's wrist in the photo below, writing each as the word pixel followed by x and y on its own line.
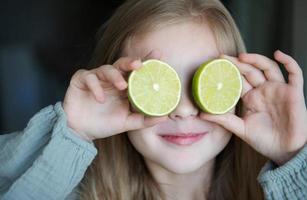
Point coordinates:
pixel 82 135
pixel 286 157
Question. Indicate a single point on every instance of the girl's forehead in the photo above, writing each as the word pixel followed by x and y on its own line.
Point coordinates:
pixel 187 43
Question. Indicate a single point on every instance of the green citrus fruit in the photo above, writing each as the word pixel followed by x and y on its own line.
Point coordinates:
pixel 155 88
pixel 217 86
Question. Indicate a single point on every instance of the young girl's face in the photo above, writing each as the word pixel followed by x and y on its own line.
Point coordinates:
pixel 183 46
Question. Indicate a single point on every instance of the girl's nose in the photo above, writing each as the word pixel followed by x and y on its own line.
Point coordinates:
pixel 185 109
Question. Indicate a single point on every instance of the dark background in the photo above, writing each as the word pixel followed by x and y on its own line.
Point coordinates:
pixel 42 43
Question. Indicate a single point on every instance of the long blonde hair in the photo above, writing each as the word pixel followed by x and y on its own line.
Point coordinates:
pixel 119 171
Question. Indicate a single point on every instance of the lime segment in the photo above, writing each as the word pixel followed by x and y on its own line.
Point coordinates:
pixel 217 86
pixel 155 88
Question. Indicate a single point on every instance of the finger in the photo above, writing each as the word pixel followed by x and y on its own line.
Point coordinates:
pixel 295 72
pixel 112 75
pixel 85 80
pixel 246 86
pixel 94 86
pixel 270 68
pixel 126 64
pixel 253 76
pixel 229 121
pixel 138 121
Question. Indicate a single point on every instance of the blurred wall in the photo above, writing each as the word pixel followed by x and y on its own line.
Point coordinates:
pixel 43 42
pixel 268 25
pixel 299 35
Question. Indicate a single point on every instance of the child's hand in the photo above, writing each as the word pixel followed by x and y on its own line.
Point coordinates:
pixel 274 122
pixel 96 102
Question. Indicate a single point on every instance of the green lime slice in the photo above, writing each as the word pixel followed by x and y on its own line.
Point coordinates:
pixel 154 89
pixel 217 86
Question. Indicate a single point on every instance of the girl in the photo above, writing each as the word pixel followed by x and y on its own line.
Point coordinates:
pixel 125 154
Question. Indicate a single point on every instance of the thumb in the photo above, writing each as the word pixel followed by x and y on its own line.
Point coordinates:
pixel 229 121
pixel 137 121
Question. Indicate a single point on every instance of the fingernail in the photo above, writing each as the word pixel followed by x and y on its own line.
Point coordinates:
pixel 123 85
pixel 279 51
pixel 136 63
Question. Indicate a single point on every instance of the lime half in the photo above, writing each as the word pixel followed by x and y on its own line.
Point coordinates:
pixel 217 86
pixel 154 89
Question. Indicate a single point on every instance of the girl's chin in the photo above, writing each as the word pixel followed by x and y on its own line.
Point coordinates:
pixel 184 167
pixel 183 160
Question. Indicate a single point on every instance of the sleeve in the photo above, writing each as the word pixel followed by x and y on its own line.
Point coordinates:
pixel 288 181
pixel 44 161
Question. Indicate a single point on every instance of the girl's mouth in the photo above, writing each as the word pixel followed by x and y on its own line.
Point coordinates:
pixel 183 139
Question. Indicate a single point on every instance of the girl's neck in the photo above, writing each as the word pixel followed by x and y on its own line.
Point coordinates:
pixel 192 186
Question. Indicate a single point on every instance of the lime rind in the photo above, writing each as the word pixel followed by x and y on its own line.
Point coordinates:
pixel 141 98
pixel 197 87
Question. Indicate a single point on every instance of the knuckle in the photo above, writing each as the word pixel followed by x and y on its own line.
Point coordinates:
pixel 81 71
pixel 111 73
pixel 78 74
pixel 299 69
pixel 250 73
pixel 118 77
pixel 255 73
pixel 115 75
pixel 89 76
pixel 258 56
pixel 250 98
pixel 106 68
pixel 123 62
pixel 271 91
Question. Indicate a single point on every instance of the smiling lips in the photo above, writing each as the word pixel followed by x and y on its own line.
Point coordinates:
pixel 183 139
